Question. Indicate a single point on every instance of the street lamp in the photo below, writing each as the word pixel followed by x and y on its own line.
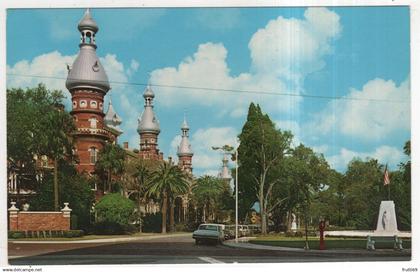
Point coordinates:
pixel 231 150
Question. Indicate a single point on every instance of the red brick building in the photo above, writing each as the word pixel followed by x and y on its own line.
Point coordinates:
pixel 88 84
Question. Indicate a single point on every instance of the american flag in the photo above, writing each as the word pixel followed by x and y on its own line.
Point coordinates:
pixel 387 181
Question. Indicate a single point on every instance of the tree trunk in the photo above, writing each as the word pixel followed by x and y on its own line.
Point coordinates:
pixel 164 211
pixel 109 181
pixel 172 216
pixel 263 212
pixel 56 206
pixel 140 223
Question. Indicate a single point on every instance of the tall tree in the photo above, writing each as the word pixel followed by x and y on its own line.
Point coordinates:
pixel 262 148
pixel 37 125
pixel 206 192
pixel 167 180
pixel 57 142
pixel 137 174
pixel 364 191
pixel 111 161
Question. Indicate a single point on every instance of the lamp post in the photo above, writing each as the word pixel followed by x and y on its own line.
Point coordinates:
pixel 229 149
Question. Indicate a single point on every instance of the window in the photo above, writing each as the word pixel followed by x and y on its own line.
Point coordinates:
pixel 83 103
pixel 100 106
pixel 93 104
pixel 74 104
pixel 93 122
pixel 93 155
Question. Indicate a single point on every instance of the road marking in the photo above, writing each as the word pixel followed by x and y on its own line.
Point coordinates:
pixel 210 260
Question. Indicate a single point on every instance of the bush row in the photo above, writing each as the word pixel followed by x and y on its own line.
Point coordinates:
pixel 45 234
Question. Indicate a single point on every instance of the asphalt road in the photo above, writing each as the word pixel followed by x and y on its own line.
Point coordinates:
pixel 176 250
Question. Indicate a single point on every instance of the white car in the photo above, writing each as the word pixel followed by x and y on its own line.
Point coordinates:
pixel 209 233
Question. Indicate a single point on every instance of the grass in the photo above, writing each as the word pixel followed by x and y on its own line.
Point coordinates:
pixel 92 237
pixel 330 243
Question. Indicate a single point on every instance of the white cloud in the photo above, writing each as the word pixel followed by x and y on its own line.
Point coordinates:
pixel 282 54
pixel 294 47
pixel 362 116
pixel 50 69
pixel 384 154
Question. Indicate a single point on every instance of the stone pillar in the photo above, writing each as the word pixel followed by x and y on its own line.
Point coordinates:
pixel 13 216
pixel 66 214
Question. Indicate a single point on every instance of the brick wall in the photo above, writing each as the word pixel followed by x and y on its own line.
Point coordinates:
pixel 38 221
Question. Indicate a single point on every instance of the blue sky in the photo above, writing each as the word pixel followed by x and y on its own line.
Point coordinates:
pixel 358 53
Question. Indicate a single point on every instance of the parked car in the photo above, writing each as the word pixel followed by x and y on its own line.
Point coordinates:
pixel 254 229
pixel 209 233
pixel 243 230
pixel 229 231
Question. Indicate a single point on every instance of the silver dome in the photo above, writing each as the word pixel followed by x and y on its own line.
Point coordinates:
pixel 87 23
pixel 87 71
pixel 148 121
pixel 184 148
pixel 112 120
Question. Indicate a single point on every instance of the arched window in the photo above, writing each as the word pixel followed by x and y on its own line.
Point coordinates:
pixel 93 155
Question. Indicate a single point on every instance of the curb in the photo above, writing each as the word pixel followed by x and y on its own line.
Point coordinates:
pixel 244 244
pixel 104 240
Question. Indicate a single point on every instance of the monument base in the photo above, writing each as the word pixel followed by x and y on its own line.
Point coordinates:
pixel 387 219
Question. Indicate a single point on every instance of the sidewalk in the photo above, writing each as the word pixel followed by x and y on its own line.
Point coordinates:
pixel 102 240
pixel 244 243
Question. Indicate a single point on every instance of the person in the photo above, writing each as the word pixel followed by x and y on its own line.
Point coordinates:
pixel 384 220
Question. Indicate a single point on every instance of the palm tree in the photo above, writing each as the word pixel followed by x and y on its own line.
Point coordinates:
pixel 138 173
pixel 206 191
pixel 110 161
pixel 168 180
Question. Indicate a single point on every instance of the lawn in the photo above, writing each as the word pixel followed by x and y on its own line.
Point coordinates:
pixel 330 243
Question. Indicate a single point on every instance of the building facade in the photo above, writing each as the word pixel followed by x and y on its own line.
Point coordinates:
pixel 88 84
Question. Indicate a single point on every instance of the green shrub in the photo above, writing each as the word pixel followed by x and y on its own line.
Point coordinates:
pixel 108 228
pixel 16 234
pixel 73 233
pixel 152 222
pixel 114 208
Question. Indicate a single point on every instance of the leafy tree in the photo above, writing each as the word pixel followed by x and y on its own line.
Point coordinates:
pixel 364 191
pixel 37 125
pixel 111 159
pixel 262 148
pixel 137 174
pixel 74 189
pixel 400 191
pixel 167 180
pixel 115 208
pixel 206 192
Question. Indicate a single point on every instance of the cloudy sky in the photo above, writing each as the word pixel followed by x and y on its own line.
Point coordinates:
pixel 294 62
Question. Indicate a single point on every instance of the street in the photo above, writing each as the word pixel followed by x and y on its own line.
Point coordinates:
pixel 177 250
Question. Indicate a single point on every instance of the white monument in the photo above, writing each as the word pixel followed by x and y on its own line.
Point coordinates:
pixel 294 225
pixel 387 219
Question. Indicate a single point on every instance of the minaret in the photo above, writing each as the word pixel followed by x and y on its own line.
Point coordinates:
pixel 112 122
pixel 88 84
pixel 185 153
pixel 225 175
pixel 149 129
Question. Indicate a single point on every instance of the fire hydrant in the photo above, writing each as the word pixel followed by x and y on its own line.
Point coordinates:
pixel 321 235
